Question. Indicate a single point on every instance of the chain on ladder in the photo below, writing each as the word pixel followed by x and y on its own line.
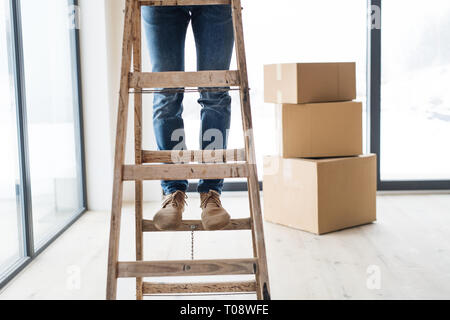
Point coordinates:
pixel 192 241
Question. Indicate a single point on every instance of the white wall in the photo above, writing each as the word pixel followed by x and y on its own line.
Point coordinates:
pixel 97 122
pixel 101 31
pixel 339 34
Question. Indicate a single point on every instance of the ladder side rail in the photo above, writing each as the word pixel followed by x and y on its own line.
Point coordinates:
pixel 263 291
pixel 137 67
pixel 122 118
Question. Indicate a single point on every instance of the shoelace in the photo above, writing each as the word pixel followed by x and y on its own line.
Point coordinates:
pixel 211 196
pixel 177 199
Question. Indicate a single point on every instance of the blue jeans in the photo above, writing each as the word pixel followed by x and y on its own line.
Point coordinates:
pixel 165 29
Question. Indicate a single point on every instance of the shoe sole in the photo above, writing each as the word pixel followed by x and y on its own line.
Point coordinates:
pixel 217 226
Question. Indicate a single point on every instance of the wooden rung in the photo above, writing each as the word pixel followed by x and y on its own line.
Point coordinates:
pixel 206 79
pixel 182 2
pixel 187 156
pixel 196 225
pixel 186 268
pixel 225 287
pixel 184 171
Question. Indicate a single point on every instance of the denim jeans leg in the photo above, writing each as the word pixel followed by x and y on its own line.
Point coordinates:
pixel 165 29
pixel 214 38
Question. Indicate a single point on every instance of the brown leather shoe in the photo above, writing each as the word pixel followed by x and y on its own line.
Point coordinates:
pixel 214 216
pixel 171 213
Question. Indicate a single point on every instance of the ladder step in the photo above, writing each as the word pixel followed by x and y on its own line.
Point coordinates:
pixel 178 79
pixel 142 269
pixel 182 2
pixel 188 288
pixel 184 171
pixel 187 156
pixel 196 225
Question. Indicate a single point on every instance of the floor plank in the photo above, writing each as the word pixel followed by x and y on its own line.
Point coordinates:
pixel 409 245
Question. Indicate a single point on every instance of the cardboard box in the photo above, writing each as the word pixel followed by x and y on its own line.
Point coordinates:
pixel 320 196
pixel 309 82
pixel 319 130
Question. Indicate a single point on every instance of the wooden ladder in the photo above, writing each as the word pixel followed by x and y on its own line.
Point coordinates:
pixel 159 165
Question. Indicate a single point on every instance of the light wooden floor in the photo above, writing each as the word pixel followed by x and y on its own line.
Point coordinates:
pixel 407 252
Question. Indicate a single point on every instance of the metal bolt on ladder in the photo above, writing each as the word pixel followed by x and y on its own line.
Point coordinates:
pixel 159 165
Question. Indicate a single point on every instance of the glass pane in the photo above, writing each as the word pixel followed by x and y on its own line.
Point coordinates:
pixel 48 63
pixel 415 100
pixel 11 246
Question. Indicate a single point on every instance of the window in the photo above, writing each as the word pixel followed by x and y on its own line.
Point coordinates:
pixel 42 168
pixel 415 102
pixel 410 114
pixel 51 111
pixel 11 248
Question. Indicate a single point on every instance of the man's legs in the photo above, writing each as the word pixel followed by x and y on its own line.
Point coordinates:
pixel 165 29
pixel 214 38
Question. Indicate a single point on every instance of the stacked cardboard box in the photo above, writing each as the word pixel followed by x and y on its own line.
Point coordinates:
pixel 319 182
